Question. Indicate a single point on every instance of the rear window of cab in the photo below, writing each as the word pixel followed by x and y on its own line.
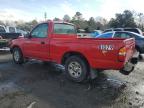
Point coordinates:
pixel 64 29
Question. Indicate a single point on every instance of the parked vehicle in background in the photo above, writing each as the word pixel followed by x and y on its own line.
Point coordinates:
pixel 80 32
pixel 125 34
pixel 7 34
pixel 83 33
pixel 95 33
pixel 3 43
pixel 58 42
pixel 23 33
pixel 135 30
pixel 2 29
pixel 113 29
pixel 11 29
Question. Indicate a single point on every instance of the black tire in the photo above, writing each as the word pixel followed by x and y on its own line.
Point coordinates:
pixel 83 66
pixel 20 59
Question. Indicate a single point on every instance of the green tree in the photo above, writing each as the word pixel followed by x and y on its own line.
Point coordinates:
pixel 92 23
pixel 27 26
pixel 101 23
pixel 34 22
pixel 79 21
pixel 78 16
pixel 66 18
pixel 140 20
pixel 56 19
pixel 126 19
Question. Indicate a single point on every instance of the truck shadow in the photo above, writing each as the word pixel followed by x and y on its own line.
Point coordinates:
pixel 48 83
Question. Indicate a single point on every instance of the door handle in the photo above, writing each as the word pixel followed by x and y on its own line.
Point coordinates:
pixel 42 42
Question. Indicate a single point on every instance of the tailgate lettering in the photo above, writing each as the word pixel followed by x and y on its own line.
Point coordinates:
pixel 106 47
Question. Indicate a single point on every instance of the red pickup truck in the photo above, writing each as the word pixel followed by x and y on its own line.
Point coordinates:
pixel 58 42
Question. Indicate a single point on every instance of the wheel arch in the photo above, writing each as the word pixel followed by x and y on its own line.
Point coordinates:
pixel 74 53
pixel 14 46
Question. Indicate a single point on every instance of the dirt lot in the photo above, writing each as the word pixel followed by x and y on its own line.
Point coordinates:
pixel 38 85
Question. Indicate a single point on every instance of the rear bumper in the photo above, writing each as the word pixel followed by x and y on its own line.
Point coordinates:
pixel 114 65
pixel 107 65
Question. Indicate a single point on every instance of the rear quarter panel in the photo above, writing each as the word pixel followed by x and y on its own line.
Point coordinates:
pixel 90 48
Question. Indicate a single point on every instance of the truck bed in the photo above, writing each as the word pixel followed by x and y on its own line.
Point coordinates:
pixel 90 48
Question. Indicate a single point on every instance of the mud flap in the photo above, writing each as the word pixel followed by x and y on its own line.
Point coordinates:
pixel 129 66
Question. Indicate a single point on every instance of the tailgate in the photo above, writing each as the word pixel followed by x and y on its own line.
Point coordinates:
pixel 105 53
pixel 130 48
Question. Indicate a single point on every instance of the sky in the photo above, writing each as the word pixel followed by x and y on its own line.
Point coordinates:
pixel 28 10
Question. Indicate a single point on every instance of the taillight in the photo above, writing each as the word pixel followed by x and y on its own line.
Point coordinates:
pixel 122 54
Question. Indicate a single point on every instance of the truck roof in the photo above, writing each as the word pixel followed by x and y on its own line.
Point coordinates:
pixel 60 22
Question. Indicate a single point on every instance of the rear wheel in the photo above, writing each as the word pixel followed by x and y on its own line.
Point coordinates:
pixel 18 56
pixel 76 69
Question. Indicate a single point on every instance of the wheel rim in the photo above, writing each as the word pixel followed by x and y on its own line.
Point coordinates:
pixel 75 70
pixel 16 55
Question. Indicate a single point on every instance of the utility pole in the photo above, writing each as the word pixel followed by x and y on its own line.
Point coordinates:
pixel 45 16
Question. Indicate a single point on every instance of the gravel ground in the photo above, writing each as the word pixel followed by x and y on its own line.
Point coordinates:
pixel 38 85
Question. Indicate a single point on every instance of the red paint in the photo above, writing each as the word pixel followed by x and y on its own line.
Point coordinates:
pixel 56 45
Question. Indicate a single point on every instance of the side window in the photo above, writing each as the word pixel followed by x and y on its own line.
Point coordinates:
pixel 41 31
pixel 2 29
pixel 106 35
pixel 64 29
pixel 122 35
pixel 133 30
pixel 136 36
pixel 11 29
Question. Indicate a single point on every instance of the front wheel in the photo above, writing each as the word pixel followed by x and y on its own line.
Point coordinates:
pixel 17 56
pixel 76 69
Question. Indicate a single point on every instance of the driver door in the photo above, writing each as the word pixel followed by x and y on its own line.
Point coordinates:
pixel 37 46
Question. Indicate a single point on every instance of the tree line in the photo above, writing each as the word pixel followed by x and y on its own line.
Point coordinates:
pixel 126 19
